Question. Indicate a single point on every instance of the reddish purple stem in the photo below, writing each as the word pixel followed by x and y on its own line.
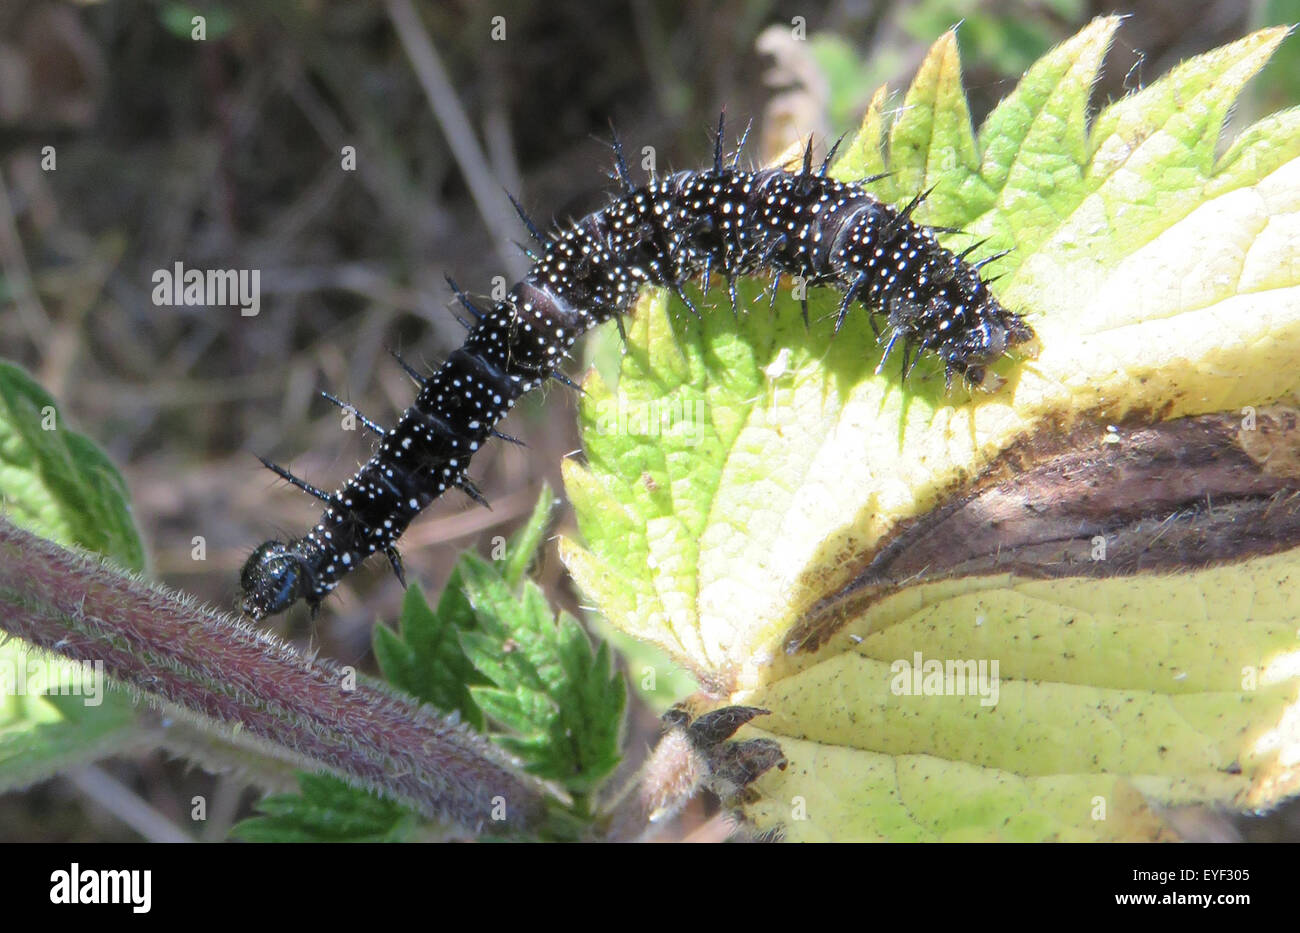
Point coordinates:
pixel 225 670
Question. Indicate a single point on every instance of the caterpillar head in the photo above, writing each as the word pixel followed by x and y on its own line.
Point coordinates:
pixel 973 348
pixel 274 577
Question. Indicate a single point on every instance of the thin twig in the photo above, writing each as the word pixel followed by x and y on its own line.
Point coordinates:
pixel 13 262
pixel 492 206
pixel 126 805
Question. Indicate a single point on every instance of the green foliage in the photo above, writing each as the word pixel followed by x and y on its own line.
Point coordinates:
pixel 41 735
pixel 488 648
pixel 563 704
pixel 658 680
pixel 56 483
pixel 489 651
pixel 424 656
pixel 327 810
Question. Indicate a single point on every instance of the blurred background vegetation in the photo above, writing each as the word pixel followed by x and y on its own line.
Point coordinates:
pixel 226 153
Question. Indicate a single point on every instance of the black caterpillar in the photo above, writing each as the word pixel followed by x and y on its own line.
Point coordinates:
pixel 664 233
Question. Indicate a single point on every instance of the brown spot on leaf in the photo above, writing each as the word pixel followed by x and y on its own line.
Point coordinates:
pixel 1096 500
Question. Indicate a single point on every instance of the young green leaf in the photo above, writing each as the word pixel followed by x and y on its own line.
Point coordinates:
pixel 327 810
pixel 424 656
pixel 562 704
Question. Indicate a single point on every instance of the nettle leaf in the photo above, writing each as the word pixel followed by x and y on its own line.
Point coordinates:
pixel 327 810
pixel 493 650
pixel 58 484
pixel 562 703
pixel 424 656
pixel 746 480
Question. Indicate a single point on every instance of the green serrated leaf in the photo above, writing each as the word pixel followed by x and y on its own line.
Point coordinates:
pixel 932 142
pixel 563 703
pixel 326 810
pixel 1036 142
pixel 56 482
pixel 523 710
pixel 424 656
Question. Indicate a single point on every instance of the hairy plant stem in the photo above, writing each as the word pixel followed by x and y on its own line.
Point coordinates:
pixel 243 681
